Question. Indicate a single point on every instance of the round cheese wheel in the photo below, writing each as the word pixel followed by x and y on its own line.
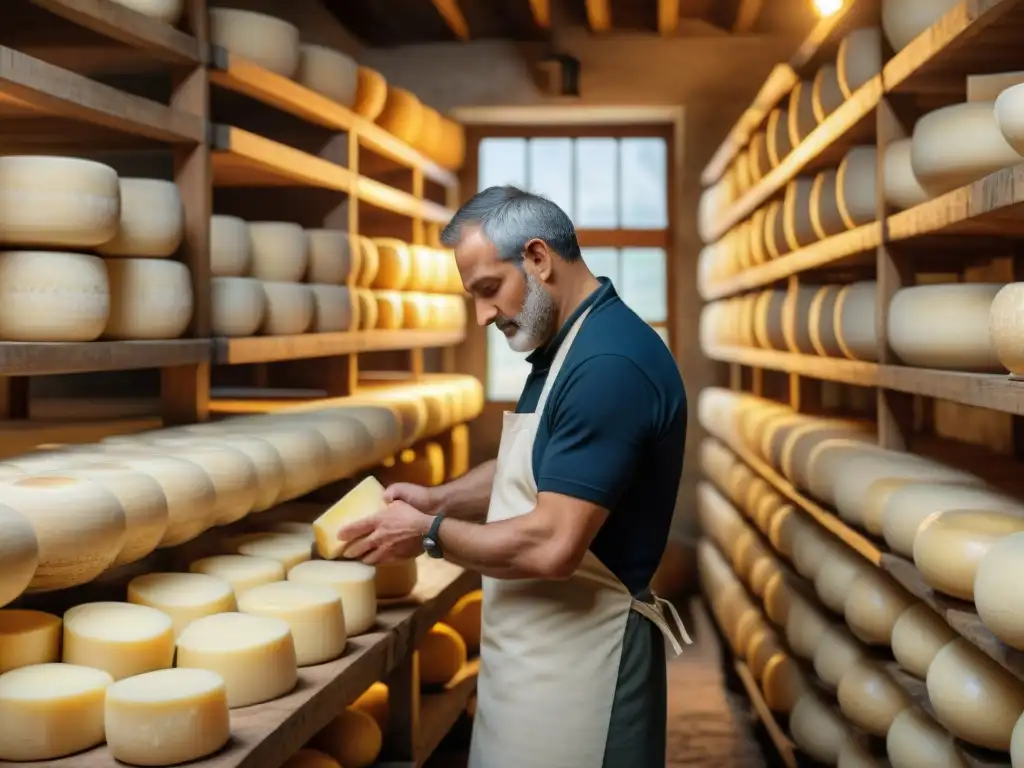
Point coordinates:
pixel 818 729
pixel 782 683
pixel 828 459
pixel 855 186
pixel 826 95
pixel 873 605
pixel 778 599
pixel 973 696
pixel 374 702
pixel 812 546
pixel 353 738
pixel 904 20
pixel 853 754
pixel 859 58
pixel 313 612
pixel 402 116
pixel 760 648
pixel 19 554
pixel 328 72
pixel 184 597
pixel 430 135
pixel 836 577
pixel 123 639
pixel 825 215
pixel 836 653
pixel 330 256
pixel 371 93
pixel 286 548
pixel 167 11
pixel 917 636
pixel 870 698
pixel 994 590
pixel 332 308
pixel 796 213
pixel 52 296
pixel 452 149
pixel 238 305
pixel 782 529
pixel 152 222
pixel 266 461
pixel 280 251
pixel 854 321
pixel 233 474
pixel 395 264
pixel 230 247
pixel 949 546
pixel 242 572
pixel 289 309
pixel 49 711
pixel 902 189
pixel 353 582
pixel 270 42
pixel 917 741
pixel 304 452
pixel 166 717
pixel 805 626
pixel 1003 323
pixel 442 654
pixel 57 201
pixel 149 299
pixel 395 580
pixel 390 313
pixel 760 572
pixel 305 530
pixel 254 655
pixel 28 637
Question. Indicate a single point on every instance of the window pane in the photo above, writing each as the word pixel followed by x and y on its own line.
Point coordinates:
pixel 597 181
pixel 603 262
pixel 502 161
pixel 506 370
pixel 551 171
pixel 645 283
pixel 644 167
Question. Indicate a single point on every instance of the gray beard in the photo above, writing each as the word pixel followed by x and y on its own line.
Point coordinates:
pixel 534 320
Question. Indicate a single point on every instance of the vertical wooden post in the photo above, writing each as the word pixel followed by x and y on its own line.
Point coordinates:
pixel 402 736
pixel 14 397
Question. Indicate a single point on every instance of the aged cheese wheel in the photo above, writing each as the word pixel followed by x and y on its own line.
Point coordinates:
pixel 390 313
pixel 267 465
pixel 371 93
pixel 254 655
pixel 367 312
pixel 167 11
pixel 242 572
pixel 995 595
pixel 402 115
pixel 870 698
pixel 52 296
pixel 854 320
pixel 57 201
pixel 801 115
pixel 152 222
pixel 452 150
pixel 821 322
pixel 332 308
pixel 855 186
pixel 853 754
pixel 917 741
pixel 238 305
pixel 904 20
pixel 761 647
pixel 956 145
pixel 288 549
pixel 123 639
pixel 805 626
pixel 431 132
pixel 442 654
pixel 353 738
pixel 796 328
pixel 1003 327
pixel 774 231
pixel 395 264
pixel 397 579
pixel 354 584
pixel 280 251
pixel 873 606
pixel 859 58
pixel 49 711
pixel 827 460
pixel 796 213
pixel 184 597
pixel 818 729
pixel 783 684
pixel 826 95
pixel 973 696
pixel 289 309
pixel 374 702
pixel 167 717
pixel 330 256
pixel 836 653
pixel 28 637
pixel 812 545
pixel 826 218
pixel 836 576
pixel 149 299
pixel 230 247
pixel 902 189
pixel 917 636
pixel 949 546
pixel 265 40
pixel 19 554
pixel 760 572
pixel 328 72
pixel 312 611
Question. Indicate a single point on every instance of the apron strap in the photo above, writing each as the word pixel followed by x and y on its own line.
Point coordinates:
pixel 656 614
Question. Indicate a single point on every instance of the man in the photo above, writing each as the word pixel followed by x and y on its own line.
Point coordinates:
pixel 568 524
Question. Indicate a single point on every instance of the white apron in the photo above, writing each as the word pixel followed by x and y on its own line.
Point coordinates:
pixel 550 650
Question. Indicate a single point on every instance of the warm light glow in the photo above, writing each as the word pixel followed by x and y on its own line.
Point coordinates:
pixel 827 7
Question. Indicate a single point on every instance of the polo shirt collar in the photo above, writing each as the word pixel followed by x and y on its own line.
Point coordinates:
pixel 542 357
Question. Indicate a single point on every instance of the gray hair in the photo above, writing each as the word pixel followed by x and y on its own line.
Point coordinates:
pixel 510 218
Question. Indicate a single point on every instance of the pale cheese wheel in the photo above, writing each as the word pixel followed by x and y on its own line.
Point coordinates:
pixel 254 655
pixel 855 186
pixel 854 321
pixel 901 187
pixel 268 469
pixel 859 58
pixel 19 554
pixel 184 597
pixel 402 115
pixel 371 93
pixel 1004 327
pixel 835 578
pixel 280 251
pixel 870 698
pixel 270 42
pixel 805 626
pixel 918 634
pixel 949 546
pixel 304 452
pixel 778 599
pixel 233 474
pixel 48 711
pixel 873 606
pixel 395 264
pixel 904 20
pixel 853 754
pixel 330 256
pixel 390 313
pixel 152 222
pixel 917 741
pixel 332 308
pixel 762 570
pixel 238 305
pixel 995 590
pixel 313 612
pixel 230 247
pixel 828 459
pixel 287 549
pixel 123 639
pixel 354 584
pixel 51 296
pixel 149 299
pixel 973 696
pixel 167 11
pixel 353 738
pixel 167 717
pixel 783 684
pixel 57 201
pixel 28 637
pixel 836 653
pixel 289 309
pixel 826 217
pixel 796 212
pixel 442 653
pixel 826 95
pixel 397 579
pixel 328 72
pixel 242 572
pixel 818 729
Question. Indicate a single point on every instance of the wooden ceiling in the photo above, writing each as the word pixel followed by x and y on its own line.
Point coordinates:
pixel 406 22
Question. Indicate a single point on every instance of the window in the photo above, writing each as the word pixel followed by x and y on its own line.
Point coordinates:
pixel 615 189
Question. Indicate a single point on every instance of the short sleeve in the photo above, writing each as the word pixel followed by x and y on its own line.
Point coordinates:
pixel 600 424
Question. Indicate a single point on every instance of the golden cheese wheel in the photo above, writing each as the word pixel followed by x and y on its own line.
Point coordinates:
pixel 371 93
pixel 836 653
pixel 873 605
pixel 782 683
pixel 749 622
pixel 402 115
pixel 760 648
pixel 458 460
pixel 782 529
pixel 442 654
pixel 390 312
pixel 818 729
pixel 917 741
pixel 464 618
pixel 353 738
pixel 805 627
pixel 415 311
pixel 374 702
pixel 394 264
pixel 369 262
pixel 367 311
pixel 870 698
pixel 778 599
pixel 761 571
pixel 452 151
pixel 745 549
pixel 918 634
pixel 422 268
pixel 430 134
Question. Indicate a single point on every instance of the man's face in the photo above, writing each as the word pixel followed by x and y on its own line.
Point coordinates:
pixel 506 294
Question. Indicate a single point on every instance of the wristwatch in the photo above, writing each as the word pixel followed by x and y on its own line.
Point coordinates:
pixel 431 542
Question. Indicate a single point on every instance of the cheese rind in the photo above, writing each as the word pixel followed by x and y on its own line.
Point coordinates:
pixel 442 654
pixel 19 553
pixel 167 717
pixel 184 597
pixel 152 222
pixel 122 639
pixel 465 618
pixel 313 612
pixel 353 738
pixel 27 638
pixel 353 582
pixel 363 501
pixel 397 579
pixel 242 572
pixel 287 549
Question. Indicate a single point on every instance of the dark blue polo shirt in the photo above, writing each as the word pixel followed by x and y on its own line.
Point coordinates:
pixel 613 431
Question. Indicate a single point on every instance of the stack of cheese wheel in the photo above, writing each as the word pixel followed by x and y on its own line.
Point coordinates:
pixel 417 287
pixel 330 267
pixel 238 302
pixel 280 260
pixel 442 654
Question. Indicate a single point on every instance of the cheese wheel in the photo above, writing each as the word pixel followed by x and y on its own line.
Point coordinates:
pixel 374 702
pixel 238 305
pixel 995 595
pixel 390 312
pixel 836 577
pixel 353 738
pixel 289 309
pixel 835 655
pixel 805 626
pixel 328 72
pixel 853 754
pixel 313 612
pixel 230 247
pixel 904 20
pixel 818 729
pixel 395 264
pixel 184 597
pixel 19 554
pixel 149 300
pixel 363 501
pixel 367 313
pixel 330 256
pixel 760 649
pixel 287 549
pixel 872 607
pixel 242 572
pixel 917 636
pixel 231 471
pixel 394 580
pixel 452 150
pixel 270 42
pixel 152 222
pixel 305 530
pixel 167 11
pixel 431 132
pixel 855 186
pixel 369 262
pixel 859 58
pixel 415 311
pixel 854 321
pixel 465 618
pixel 27 638
pixel 311 758
pixel 166 717
pixel 917 741
pixel 123 639
pixel 902 189
pixel 332 308
pixel 826 95
pixel 783 684
pixel 52 296
pixel 280 251
pixel 778 599
pixel 371 93
pixel 442 653
pixel 870 698
pixel 973 696
pixel 49 711
pixel 402 115
pixel 266 462
pixel 254 655
pixel 354 584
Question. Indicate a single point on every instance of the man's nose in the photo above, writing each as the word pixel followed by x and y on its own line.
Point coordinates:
pixel 485 313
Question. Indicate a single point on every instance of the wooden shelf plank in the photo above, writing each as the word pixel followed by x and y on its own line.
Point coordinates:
pixel 827 368
pixel 51 91
pixel 234 73
pixel 128 26
pixel 440 711
pixel 266 349
pixel 830 252
pixel 783 745
pixel 36 359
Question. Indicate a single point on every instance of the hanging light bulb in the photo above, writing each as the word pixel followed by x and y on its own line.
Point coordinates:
pixel 827 7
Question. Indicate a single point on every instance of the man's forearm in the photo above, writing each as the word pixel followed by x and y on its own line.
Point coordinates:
pixel 468 497
pixel 509 549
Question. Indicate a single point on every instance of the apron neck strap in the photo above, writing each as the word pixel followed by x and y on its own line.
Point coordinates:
pixel 560 355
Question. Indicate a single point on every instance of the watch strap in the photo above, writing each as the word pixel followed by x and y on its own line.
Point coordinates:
pixel 434 548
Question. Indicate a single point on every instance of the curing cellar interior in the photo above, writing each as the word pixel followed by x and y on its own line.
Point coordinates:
pixel 809 212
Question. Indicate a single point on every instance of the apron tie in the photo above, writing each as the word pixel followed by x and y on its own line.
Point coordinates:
pixel 656 613
pixel 675 617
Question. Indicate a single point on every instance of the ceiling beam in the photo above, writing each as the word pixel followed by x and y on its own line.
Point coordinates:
pixel 746 15
pixel 452 15
pixel 541 10
pixel 668 17
pixel 599 15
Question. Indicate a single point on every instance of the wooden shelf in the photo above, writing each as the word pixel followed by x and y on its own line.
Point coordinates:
pixel 785 747
pixel 826 368
pixel 440 711
pixel 234 73
pixel 36 359
pixel 267 349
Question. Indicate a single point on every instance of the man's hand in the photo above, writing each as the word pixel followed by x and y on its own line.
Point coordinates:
pixel 395 533
pixel 419 496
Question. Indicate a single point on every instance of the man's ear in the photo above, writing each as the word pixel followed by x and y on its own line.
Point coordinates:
pixel 538 260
